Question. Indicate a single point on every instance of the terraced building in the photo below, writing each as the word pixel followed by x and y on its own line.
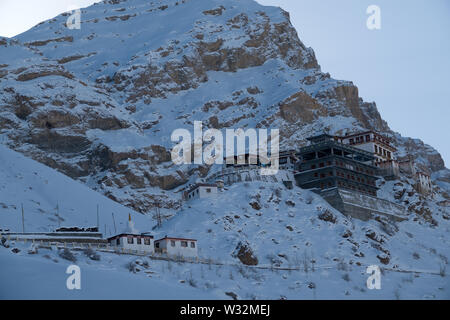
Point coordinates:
pixel 344 176
pixel 327 163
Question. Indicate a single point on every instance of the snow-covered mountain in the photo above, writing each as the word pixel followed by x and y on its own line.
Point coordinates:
pixel 99 105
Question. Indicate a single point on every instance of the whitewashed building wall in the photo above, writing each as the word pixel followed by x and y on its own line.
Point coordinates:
pixel 175 247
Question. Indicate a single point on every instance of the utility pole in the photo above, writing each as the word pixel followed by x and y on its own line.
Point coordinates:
pixel 98 220
pixel 57 214
pixel 23 220
pixel 114 221
pixel 158 214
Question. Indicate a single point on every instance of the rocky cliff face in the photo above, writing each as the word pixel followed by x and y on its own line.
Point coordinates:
pixel 100 103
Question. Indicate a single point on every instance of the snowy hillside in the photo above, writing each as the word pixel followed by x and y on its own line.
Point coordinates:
pixel 109 279
pixel 281 226
pixel 304 250
pixel 283 229
pixel 44 193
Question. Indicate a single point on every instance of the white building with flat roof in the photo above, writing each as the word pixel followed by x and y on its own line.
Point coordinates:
pixel 200 191
pixel 130 240
pixel 177 247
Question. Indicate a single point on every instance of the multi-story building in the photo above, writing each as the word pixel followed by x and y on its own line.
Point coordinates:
pixel 249 167
pixel 244 160
pixel 327 163
pixel 423 184
pixel 380 146
pixel 344 176
pixel 286 160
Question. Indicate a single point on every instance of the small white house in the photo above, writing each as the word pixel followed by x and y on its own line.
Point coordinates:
pixel 201 190
pixel 131 240
pixel 177 247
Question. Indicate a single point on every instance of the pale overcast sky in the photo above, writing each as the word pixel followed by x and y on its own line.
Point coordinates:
pixel 404 66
